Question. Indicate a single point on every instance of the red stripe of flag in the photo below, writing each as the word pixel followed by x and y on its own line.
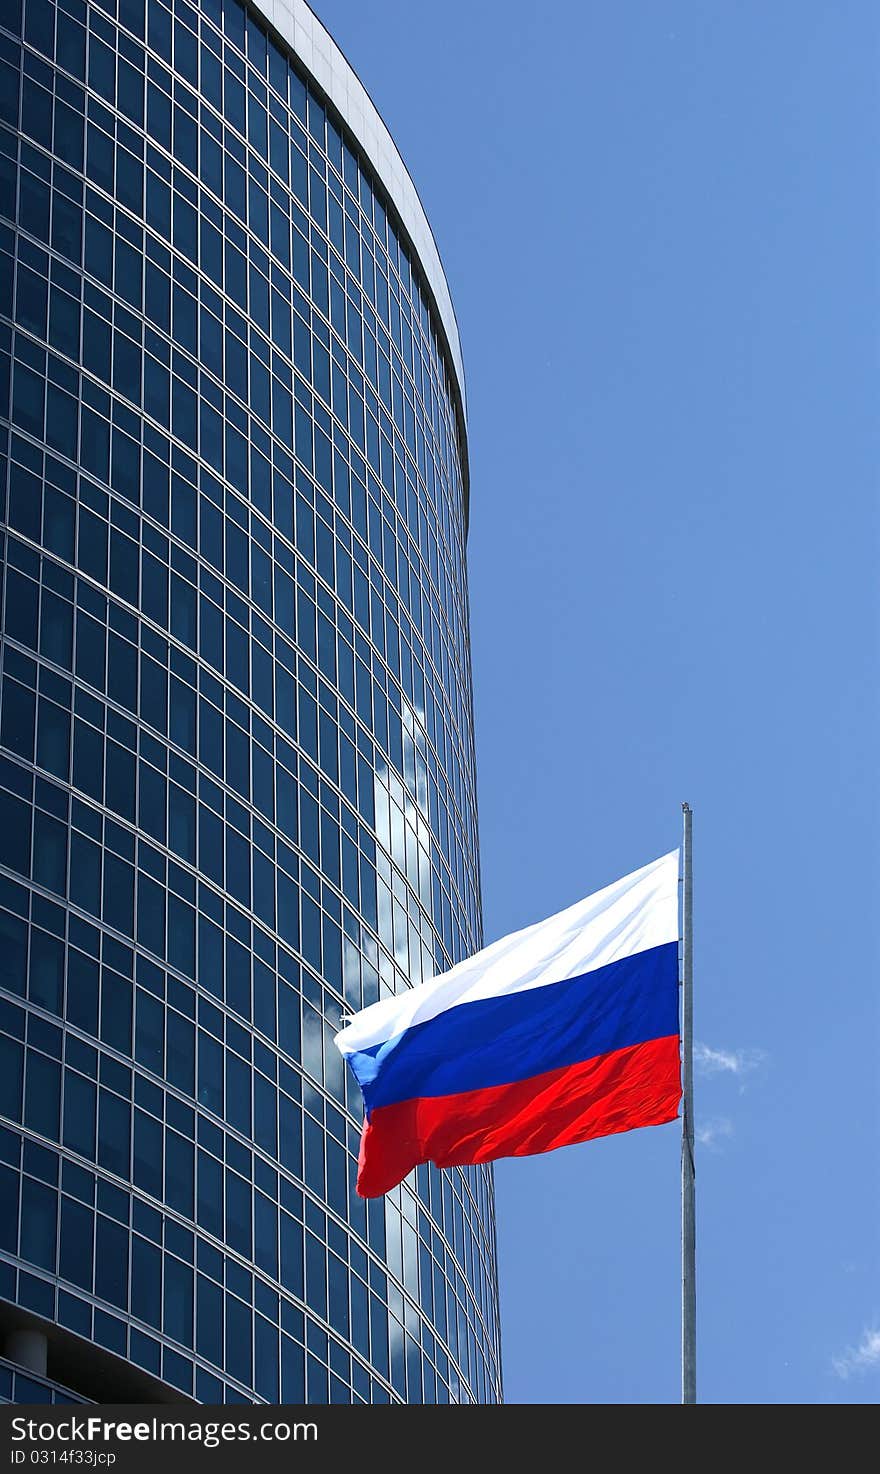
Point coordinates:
pixel 627 1088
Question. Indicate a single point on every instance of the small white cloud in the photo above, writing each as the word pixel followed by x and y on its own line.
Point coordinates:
pixel 714 1132
pixel 861 1358
pixel 709 1061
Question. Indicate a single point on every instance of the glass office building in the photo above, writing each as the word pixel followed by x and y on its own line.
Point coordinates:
pixel 237 769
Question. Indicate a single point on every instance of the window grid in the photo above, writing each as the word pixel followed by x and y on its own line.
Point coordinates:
pixel 236 752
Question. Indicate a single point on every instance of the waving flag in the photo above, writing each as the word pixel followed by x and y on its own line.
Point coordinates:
pixel 558 1033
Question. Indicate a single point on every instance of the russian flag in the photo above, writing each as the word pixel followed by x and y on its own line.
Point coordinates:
pixel 556 1034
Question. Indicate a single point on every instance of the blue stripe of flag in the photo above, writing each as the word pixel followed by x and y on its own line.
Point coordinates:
pixel 515 1036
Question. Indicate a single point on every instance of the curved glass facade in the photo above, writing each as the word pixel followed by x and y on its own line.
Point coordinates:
pixel 237 770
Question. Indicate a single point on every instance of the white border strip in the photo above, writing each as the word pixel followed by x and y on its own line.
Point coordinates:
pixel 319 54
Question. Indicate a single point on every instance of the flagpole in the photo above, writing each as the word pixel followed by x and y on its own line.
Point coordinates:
pixel 688 1215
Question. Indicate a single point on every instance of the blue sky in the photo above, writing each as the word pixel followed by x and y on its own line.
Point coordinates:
pixel 660 226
